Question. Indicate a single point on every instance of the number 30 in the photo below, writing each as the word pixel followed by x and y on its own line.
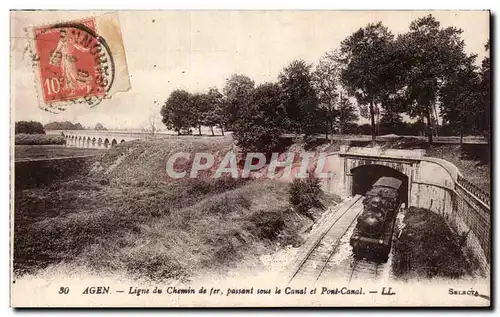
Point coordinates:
pixel 63 290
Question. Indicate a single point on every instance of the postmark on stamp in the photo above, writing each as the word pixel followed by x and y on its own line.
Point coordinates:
pixel 74 63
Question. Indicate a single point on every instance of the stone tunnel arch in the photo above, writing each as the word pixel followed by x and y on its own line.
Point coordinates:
pixel 122 141
pixel 106 143
pixel 113 143
pixel 364 176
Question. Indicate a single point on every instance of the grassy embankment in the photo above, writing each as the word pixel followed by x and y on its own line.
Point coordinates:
pixel 473 160
pixel 128 217
pixel 426 247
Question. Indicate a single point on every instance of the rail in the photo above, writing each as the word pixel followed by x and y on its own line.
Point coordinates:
pixel 326 229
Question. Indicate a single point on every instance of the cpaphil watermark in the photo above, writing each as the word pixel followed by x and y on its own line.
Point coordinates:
pixel 254 164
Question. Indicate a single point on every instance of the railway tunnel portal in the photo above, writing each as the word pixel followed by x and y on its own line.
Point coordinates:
pixel 364 176
pixel 430 183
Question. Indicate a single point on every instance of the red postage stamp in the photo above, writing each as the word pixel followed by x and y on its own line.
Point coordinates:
pixel 74 63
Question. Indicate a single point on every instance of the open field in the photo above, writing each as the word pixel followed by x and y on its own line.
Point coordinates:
pixel 29 152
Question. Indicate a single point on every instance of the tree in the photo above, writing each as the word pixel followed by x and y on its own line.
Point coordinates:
pixel 29 127
pixel 461 102
pixel 368 66
pixel 216 114
pixel 326 83
pixel 66 125
pixel 296 82
pixel 152 125
pixel 200 107
pixel 237 91
pixel 338 111
pixel 259 126
pixel 486 94
pixel 433 54
pixel 346 114
pixel 100 126
pixel 177 112
pixel 392 122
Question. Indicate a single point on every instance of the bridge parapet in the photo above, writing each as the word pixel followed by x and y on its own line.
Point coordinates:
pixel 381 152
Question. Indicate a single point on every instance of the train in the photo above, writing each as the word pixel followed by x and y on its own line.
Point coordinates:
pixel 372 235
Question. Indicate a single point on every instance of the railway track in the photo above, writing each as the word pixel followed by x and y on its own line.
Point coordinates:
pixel 328 254
pixel 363 269
pixel 325 240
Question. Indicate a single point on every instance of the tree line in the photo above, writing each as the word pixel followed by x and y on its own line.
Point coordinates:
pixel 35 127
pixel 68 125
pixel 424 74
pixel 415 73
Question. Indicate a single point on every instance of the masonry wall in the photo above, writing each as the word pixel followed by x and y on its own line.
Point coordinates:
pixel 473 217
pixel 434 188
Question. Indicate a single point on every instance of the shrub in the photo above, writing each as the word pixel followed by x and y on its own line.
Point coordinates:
pixel 305 194
pixel 39 139
pixel 29 127
pixel 289 236
pixel 267 224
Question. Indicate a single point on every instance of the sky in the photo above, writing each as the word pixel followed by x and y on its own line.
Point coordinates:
pixel 195 50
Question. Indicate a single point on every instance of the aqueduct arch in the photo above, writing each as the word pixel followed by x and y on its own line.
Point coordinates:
pixel 96 138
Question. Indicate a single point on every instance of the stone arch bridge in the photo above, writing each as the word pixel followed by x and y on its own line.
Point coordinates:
pixel 97 139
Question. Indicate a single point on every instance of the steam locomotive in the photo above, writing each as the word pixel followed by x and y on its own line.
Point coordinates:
pixel 372 236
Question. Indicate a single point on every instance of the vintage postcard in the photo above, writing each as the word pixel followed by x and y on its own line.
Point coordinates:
pixel 250 158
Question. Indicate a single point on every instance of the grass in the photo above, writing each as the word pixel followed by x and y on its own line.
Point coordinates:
pixel 50 151
pixel 39 139
pixel 127 217
pixel 145 160
pixel 154 233
pixel 472 161
pixel 426 247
